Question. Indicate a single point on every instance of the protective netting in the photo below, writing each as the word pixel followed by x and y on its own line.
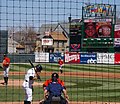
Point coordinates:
pixel 84 34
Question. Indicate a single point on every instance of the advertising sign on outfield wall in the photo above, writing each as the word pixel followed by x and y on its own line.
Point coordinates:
pixel 105 58
pixel 117 58
pixel 88 58
pixel 72 57
pixel 55 56
pixel 41 57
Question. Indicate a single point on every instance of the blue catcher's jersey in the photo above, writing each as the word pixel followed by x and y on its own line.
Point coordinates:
pixel 54 88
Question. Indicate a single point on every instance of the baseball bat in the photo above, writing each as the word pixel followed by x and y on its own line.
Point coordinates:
pixel 31 63
pixel 38 76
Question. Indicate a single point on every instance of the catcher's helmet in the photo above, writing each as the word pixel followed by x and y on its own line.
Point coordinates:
pixel 38 67
pixel 55 76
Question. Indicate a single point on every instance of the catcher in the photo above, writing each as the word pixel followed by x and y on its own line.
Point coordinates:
pixel 54 87
pixel 47 82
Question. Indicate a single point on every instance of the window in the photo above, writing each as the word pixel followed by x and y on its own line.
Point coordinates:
pixel 63 50
pixel 57 44
pixel 62 44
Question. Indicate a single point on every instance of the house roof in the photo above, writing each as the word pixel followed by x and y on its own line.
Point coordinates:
pixel 58 36
pixel 52 27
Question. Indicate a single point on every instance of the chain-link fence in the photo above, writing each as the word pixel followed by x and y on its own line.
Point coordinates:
pixel 78 39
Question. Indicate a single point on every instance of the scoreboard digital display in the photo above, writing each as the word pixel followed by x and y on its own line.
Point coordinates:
pixel 75 38
pixel 90 30
pixel 104 29
pixel 98 43
pixel 75 29
pixel 98 29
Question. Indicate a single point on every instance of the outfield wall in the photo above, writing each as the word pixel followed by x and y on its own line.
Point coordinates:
pixel 19 58
pixel 79 58
pixel 68 57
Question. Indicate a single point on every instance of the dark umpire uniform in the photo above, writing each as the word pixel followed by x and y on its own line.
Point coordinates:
pixel 55 90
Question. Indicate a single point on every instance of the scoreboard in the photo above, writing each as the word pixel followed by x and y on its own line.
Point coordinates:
pixel 98 27
pixel 98 33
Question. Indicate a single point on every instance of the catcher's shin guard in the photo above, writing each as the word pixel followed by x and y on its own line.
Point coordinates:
pixel 27 102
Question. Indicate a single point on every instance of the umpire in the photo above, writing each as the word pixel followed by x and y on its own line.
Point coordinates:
pixel 55 89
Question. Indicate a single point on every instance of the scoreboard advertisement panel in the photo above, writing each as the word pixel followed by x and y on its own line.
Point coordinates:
pixel 117 42
pixel 75 43
pixel 75 37
pixel 99 10
pixel 117 31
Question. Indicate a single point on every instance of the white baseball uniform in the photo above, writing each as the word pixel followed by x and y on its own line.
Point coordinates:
pixel 6 71
pixel 27 84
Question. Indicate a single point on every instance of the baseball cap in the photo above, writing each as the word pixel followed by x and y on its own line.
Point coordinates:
pixel 4 55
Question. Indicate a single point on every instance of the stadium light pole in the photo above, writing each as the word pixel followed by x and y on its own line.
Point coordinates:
pixel 69 19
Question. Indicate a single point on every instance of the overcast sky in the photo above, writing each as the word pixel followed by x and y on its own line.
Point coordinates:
pixel 37 12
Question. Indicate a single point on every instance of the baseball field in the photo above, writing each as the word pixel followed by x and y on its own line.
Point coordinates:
pixel 86 83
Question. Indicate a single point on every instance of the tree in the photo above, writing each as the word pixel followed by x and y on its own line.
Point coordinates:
pixel 25 36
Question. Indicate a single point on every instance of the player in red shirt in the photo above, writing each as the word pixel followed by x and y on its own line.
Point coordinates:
pixel 6 67
pixel 55 89
pixel 47 82
pixel 61 63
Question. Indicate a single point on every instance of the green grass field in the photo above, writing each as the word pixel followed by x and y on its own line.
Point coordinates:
pixel 79 88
